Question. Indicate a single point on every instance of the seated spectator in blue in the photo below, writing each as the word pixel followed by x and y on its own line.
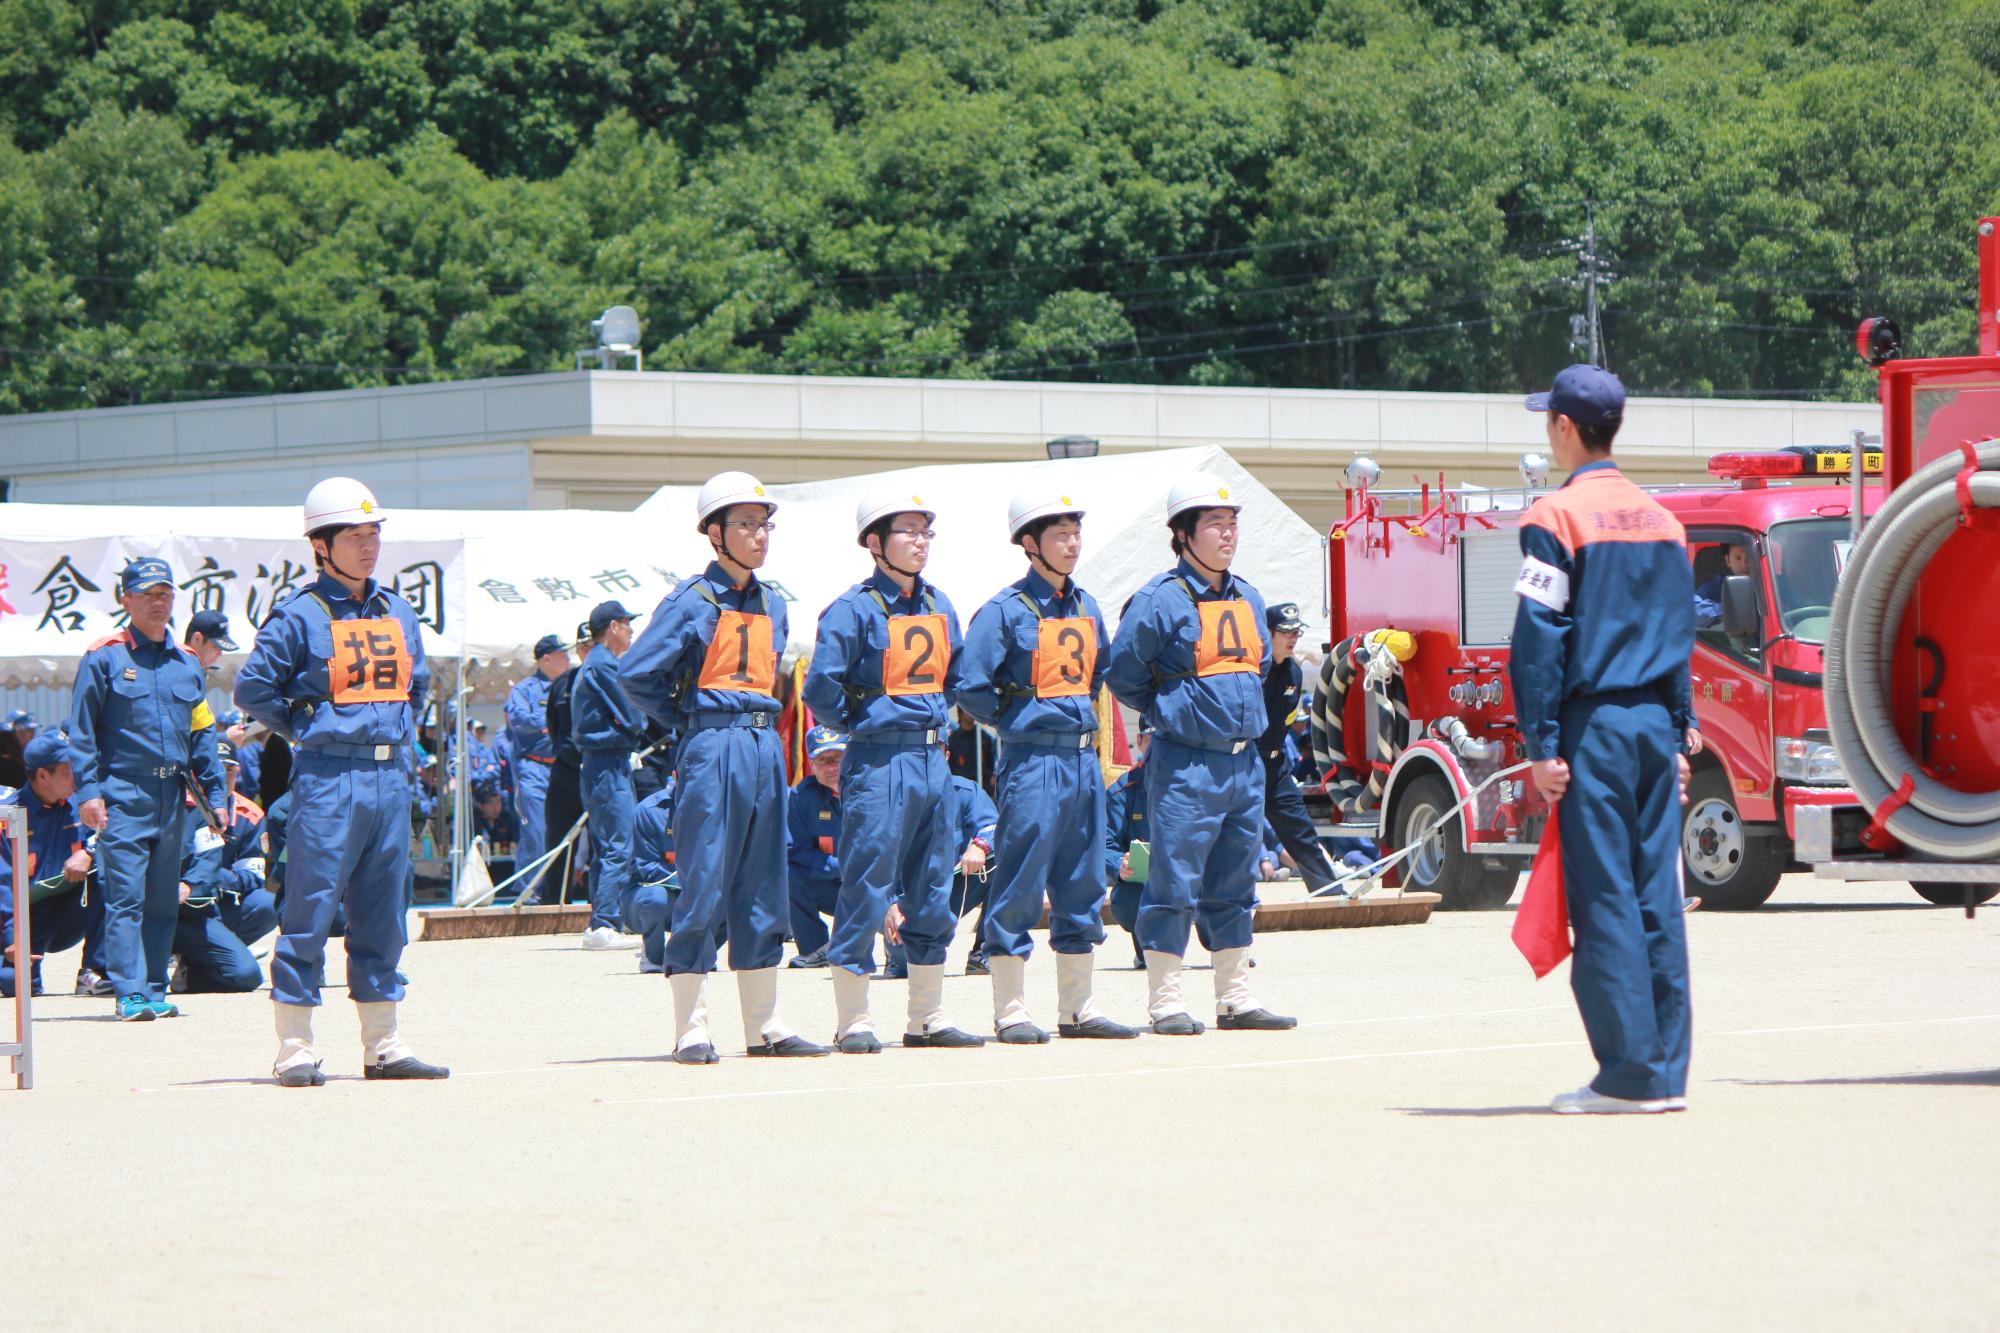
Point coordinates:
pixel 244 902
pixel 1708 597
pixel 209 956
pixel 493 818
pixel 1125 824
pixel 61 908
pixel 649 902
pixel 973 816
pixel 482 764
pixel 812 858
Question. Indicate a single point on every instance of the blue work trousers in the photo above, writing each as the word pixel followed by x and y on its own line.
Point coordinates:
pixel 531 794
pixel 608 800
pixel 729 849
pixel 1050 838
pixel 1621 849
pixel 214 959
pixel 347 850
pixel 646 910
pixel 251 917
pixel 139 867
pixel 56 923
pixel 811 899
pixel 895 844
pixel 1206 811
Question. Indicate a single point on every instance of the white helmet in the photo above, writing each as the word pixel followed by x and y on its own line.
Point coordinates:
pixel 340 502
pixel 1044 500
pixel 880 501
pixel 724 489
pixel 1200 490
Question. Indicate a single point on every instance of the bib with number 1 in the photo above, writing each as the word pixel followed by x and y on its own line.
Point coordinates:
pixel 739 656
pixel 1229 641
pixel 919 651
pixel 370 662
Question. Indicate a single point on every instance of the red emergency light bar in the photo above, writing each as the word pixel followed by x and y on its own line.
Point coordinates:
pixel 1731 467
pixel 1805 460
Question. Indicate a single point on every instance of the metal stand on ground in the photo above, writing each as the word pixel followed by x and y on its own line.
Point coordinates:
pixel 14 818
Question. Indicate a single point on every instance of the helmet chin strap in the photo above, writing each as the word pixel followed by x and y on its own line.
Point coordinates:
pixel 1187 553
pixel 326 561
pixel 893 568
pixel 1035 557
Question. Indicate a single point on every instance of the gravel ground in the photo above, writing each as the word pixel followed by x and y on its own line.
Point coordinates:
pixel 1388 1164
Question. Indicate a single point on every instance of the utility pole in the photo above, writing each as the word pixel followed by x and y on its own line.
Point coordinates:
pixel 1590 282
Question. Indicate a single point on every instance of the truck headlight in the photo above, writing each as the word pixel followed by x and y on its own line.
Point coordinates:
pixel 1809 760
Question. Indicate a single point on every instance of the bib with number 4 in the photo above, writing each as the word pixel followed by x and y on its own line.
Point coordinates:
pixel 1065 657
pixel 919 651
pixel 1230 641
pixel 370 662
pixel 739 656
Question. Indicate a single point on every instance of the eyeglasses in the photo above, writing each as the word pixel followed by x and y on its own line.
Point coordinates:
pixel 914 534
pixel 750 527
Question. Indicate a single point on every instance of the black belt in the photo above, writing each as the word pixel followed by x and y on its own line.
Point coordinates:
pixel 712 719
pixel 899 740
pixel 1082 740
pixel 133 774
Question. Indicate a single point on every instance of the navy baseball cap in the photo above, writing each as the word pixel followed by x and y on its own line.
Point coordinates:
pixel 213 624
pixel 547 644
pixel 45 751
pixel 604 613
pixel 1587 395
pixel 21 717
pixel 143 573
pixel 1284 616
pixel 821 739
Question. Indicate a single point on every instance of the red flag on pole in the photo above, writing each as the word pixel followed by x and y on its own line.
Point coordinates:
pixel 1541 924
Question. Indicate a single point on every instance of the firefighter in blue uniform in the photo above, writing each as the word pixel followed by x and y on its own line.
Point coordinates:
pixel 1033 663
pixel 1602 636
pixel 210 957
pixel 885 670
pixel 812 857
pixel 340 672
pixel 534 748
pixel 138 726
pixel 655 881
pixel 973 817
pixel 1284 804
pixel 244 901
pixel 57 860
pixel 1125 824
pixel 1190 656
pixel 708 667
pixel 607 730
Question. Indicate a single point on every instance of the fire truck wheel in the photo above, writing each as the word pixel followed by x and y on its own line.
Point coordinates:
pixel 1952 895
pixel 1728 868
pixel 1441 865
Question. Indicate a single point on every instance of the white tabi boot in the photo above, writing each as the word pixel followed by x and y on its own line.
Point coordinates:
pixel 1163 1004
pixel 856 1033
pixel 691 1043
pixel 383 1054
pixel 1010 1002
pixel 1235 1009
pixel 928 1027
pixel 763 1034
pixel 1077 1015
pixel 297 1065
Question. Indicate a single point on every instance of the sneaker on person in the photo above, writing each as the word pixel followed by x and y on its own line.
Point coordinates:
pixel 178 983
pixel 817 958
pixel 1587 1100
pixel 608 937
pixel 89 981
pixel 1689 903
pixel 135 1009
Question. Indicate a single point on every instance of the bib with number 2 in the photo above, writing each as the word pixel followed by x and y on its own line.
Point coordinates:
pixel 1065 657
pixel 739 656
pixel 1229 641
pixel 370 662
pixel 919 651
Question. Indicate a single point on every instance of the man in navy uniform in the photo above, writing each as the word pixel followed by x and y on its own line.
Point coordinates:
pixel 607 728
pixel 812 861
pixel 534 748
pixel 58 865
pixel 1284 804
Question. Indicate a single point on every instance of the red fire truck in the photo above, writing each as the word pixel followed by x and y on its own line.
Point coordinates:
pixel 1413 714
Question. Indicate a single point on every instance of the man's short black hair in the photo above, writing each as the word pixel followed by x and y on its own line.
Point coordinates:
pixel 1182 526
pixel 1039 526
pixel 1597 438
pixel 879 529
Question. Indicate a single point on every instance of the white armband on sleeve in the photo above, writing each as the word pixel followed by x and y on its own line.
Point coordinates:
pixel 1544 583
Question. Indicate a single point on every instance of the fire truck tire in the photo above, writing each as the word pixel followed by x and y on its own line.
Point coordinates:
pixel 1442 866
pixel 1952 895
pixel 1728 868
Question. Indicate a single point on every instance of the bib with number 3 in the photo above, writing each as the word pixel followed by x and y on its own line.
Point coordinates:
pixel 370 662
pixel 1065 657
pixel 739 656
pixel 1229 641
pixel 919 651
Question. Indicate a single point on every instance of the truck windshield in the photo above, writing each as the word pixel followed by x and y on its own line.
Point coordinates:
pixel 1806 557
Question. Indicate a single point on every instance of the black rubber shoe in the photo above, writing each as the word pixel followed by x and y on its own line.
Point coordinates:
pixel 942 1038
pixel 1255 1020
pixel 301 1076
pixel 817 958
pixel 788 1046
pixel 699 1054
pixel 1022 1034
pixel 975 965
pixel 1178 1025
pixel 1099 1026
pixel 407 1067
pixel 860 1043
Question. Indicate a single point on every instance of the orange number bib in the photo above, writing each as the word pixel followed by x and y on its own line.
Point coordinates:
pixel 739 656
pixel 919 651
pixel 370 662
pixel 1229 642
pixel 1065 657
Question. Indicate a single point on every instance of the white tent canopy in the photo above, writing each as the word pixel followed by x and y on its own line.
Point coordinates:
pixel 488 583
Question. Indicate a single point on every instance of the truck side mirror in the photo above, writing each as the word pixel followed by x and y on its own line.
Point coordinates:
pixel 1739 607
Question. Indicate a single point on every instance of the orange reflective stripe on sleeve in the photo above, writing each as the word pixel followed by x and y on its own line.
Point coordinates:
pixel 370 662
pixel 1230 641
pixel 1065 657
pixel 739 656
pixel 919 651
